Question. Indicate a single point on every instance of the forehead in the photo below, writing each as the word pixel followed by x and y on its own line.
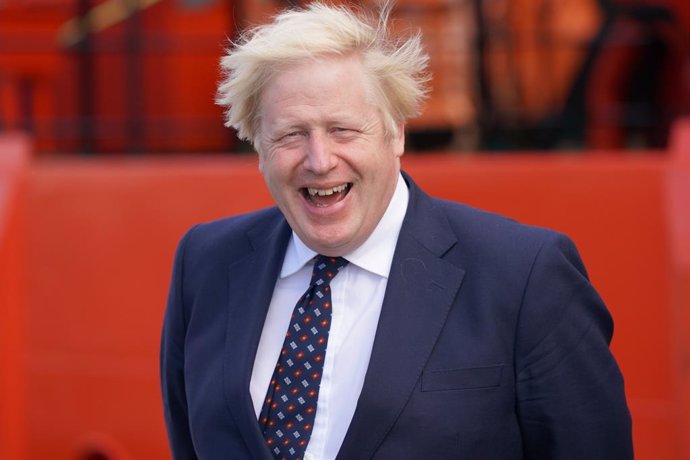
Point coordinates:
pixel 334 83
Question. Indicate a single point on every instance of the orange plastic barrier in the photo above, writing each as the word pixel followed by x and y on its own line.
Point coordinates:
pixel 101 234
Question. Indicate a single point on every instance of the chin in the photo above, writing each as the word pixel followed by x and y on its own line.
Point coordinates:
pixel 327 248
pixel 328 245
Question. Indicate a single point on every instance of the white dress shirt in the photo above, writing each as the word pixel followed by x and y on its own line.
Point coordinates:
pixel 357 296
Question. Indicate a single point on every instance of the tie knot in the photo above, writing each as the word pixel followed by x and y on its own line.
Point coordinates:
pixel 326 268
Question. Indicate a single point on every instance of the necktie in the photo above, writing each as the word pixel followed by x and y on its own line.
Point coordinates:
pixel 288 413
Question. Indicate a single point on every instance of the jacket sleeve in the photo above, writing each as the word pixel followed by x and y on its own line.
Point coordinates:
pixel 571 399
pixel 172 363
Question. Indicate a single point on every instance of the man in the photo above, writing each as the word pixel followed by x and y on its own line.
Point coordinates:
pixel 428 330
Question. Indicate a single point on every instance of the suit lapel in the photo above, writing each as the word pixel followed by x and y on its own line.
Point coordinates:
pixel 421 289
pixel 251 282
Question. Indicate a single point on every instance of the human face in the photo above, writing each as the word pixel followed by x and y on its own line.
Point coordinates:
pixel 324 154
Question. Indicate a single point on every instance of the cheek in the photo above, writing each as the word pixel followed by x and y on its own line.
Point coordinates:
pixel 276 174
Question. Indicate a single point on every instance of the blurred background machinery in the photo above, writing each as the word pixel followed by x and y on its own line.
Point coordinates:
pixel 112 76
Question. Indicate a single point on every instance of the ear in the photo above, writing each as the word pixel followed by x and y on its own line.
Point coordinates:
pixel 259 152
pixel 398 141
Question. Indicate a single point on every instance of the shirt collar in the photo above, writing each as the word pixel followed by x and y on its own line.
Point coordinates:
pixel 375 254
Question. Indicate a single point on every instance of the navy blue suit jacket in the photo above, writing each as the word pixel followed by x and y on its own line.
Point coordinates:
pixel 492 344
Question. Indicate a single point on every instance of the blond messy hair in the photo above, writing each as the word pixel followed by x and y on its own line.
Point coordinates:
pixel 398 68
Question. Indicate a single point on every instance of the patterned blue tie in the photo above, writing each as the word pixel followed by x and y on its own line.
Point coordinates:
pixel 289 410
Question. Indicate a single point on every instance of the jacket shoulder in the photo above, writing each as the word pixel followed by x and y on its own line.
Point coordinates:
pixel 490 229
pixel 233 236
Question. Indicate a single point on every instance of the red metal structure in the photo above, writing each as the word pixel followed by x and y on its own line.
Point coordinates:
pixel 87 244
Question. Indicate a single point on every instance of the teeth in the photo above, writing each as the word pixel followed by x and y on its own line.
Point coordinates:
pixel 326 191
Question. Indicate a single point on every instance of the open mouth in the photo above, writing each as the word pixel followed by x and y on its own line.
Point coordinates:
pixel 324 197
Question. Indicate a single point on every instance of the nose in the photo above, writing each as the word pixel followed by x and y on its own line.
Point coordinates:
pixel 320 158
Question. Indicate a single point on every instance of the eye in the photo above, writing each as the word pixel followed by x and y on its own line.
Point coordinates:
pixel 344 133
pixel 294 134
